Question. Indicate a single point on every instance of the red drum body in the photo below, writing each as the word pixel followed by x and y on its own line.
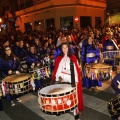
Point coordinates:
pixel 57 98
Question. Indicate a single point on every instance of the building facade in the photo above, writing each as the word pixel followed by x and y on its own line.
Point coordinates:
pixel 44 14
pixel 7 15
pixel 113 12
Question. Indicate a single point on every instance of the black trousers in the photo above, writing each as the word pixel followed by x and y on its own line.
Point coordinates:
pixel 1 105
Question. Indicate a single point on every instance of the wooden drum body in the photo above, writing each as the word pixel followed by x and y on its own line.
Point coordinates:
pixel 98 71
pixel 18 83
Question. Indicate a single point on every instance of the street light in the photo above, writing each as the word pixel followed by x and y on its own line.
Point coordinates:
pixel 0 20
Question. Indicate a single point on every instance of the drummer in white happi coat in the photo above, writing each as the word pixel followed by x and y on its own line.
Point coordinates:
pixel 62 72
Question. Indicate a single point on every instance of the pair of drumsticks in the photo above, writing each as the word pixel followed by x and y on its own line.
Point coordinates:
pixel 118 82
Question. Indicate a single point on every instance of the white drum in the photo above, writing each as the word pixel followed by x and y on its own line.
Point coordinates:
pixel 57 98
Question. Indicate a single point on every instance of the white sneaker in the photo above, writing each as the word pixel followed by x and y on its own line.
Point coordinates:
pixel 18 100
pixel 12 103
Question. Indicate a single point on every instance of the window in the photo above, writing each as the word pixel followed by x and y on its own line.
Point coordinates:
pixel 28 26
pixel 39 25
pixel 50 23
pixel 85 21
pixel 98 22
pixel 66 22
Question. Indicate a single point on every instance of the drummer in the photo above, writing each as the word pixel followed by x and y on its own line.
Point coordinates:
pixel 110 45
pixel 62 71
pixel 32 61
pixel 10 65
pixel 57 51
pixel 116 85
pixel 90 54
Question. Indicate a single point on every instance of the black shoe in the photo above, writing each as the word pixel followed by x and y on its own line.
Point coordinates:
pixel 58 114
pixel 77 117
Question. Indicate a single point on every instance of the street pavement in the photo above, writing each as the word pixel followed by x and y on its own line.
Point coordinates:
pixel 29 109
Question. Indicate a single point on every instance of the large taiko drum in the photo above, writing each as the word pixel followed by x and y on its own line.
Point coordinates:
pixel 57 98
pixel 114 107
pixel 18 83
pixel 98 71
pixel 109 55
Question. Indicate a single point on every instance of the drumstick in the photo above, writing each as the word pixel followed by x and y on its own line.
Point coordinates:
pixel 118 82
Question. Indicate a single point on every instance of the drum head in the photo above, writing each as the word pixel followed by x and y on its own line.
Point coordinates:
pixel 117 56
pixel 17 78
pixel 98 66
pixel 56 89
